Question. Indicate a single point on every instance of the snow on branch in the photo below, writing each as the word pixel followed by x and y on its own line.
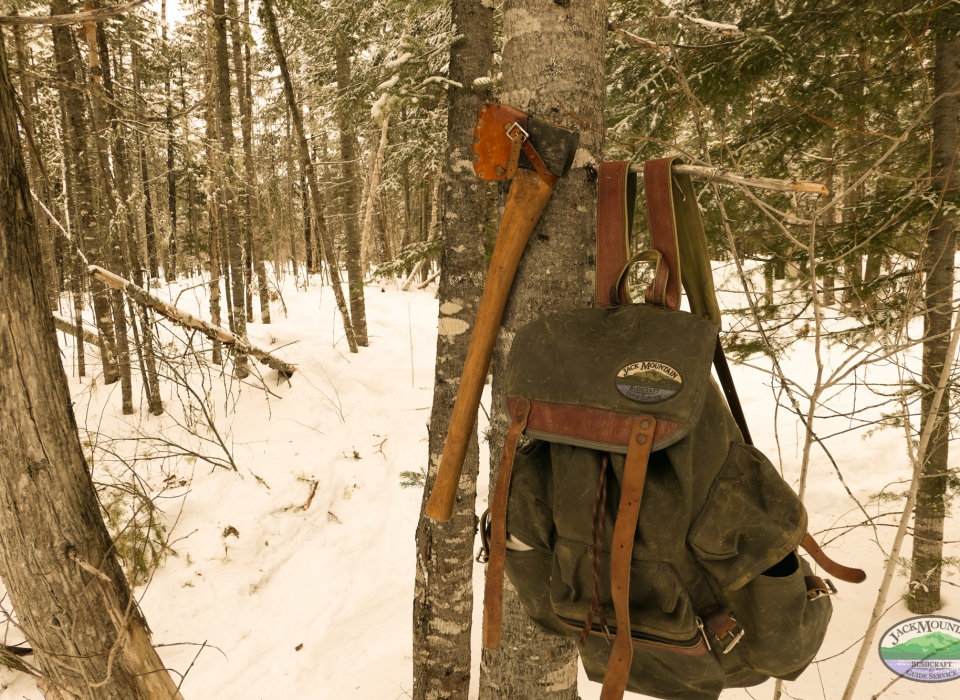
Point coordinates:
pixel 184 318
pixel 704 25
pixel 720 175
pixel 73 18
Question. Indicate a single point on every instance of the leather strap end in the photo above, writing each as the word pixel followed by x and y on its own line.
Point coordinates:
pixel 493 586
pixel 844 573
pixel 631 491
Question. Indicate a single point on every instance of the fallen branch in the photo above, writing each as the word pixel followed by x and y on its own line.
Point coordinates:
pixel 72 18
pixel 171 312
pixel 405 286
pixel 68 326
pixel 705 173
pixel 429 279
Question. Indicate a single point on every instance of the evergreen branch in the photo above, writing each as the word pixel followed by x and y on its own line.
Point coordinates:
pixel 73 18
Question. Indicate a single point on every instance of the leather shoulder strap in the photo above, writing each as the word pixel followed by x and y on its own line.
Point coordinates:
pixel 658 188
pixel 616 195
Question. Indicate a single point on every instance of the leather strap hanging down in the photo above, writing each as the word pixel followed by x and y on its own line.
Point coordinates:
pixel 631 492
pixel 493 586
pixel 616 194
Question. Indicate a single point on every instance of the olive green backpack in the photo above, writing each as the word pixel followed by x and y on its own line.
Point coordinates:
pixel 701 587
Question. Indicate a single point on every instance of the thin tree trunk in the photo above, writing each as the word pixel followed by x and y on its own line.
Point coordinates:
pixel 100 122
pixel 77 274
pixel 51 519
pixel 149 225
pixel 529 664
pixel 231 221
pixel 213 207
pixel 253 198
pixel 938 260
pixel 174 247
pixel 351 184
pixel 373 185
pixel 273 35
pixel 828 226
pixel 87 224
pixel 443 590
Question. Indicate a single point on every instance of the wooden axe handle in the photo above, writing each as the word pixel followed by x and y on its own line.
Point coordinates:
pixel 528 196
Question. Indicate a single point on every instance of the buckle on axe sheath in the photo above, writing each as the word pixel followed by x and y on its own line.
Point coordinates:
pixel 508 144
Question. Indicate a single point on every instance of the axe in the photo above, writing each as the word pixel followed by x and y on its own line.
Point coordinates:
pixel 507 145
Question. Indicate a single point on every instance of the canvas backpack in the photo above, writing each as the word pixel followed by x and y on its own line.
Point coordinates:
pixel 636 516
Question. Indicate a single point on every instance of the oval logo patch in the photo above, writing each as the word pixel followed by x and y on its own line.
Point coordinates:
pixel 649 381
pixel 925 649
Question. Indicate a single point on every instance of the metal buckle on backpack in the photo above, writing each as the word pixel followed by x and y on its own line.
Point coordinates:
pixel 483 555
pixel 820 593
pixel 734 636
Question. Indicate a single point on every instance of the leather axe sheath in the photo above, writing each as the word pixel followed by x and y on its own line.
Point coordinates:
pixel 508 144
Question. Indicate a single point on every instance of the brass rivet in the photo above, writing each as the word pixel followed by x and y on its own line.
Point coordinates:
pixel 644 424
pixel 641 439
pixel 500 170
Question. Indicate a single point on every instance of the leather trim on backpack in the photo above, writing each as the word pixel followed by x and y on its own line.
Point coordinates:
pixel 596 428
pixel 493 587
pixel 621 554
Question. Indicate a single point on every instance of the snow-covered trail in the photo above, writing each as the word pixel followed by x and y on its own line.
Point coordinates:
pixel 315 603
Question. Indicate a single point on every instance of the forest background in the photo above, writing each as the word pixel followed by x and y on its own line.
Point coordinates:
pixel 238 145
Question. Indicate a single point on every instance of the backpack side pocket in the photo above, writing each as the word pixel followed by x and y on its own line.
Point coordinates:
pixel 783 628
pixel 752 519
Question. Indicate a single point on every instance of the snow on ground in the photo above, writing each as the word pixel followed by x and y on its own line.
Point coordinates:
pixel 272 595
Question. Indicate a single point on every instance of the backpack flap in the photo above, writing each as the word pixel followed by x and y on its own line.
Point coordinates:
pixel 589 372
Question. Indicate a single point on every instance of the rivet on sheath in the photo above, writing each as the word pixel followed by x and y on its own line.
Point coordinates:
pixel 641 439
pixel 644 424
pixel 500 170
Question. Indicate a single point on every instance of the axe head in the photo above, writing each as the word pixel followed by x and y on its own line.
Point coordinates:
pixel 555 144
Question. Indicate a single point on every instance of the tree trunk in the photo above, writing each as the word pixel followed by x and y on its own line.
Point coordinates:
pixel 87 224
pixel 443 590
pixel 255 233
pixel 149 224
pixel 173 248
pixel 373 185
pixel 351 188
pixel 213 207
pixel 557 272
pixel 273 36
pixel 35 167
pixel 100 122
pixel 231 220
pixel 938 258
pixel 88 635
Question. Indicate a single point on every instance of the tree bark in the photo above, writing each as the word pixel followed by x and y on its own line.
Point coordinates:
pixel 559 63
pixel 88 635
pixel 231 220
pixel 213 207
pixel 100 120
pixel 370 192
pixel 938 263
pixel 351 189
pixel 273 36
pixel 443 590
pixel 87 224
pixel 253 198
pixel 34 166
